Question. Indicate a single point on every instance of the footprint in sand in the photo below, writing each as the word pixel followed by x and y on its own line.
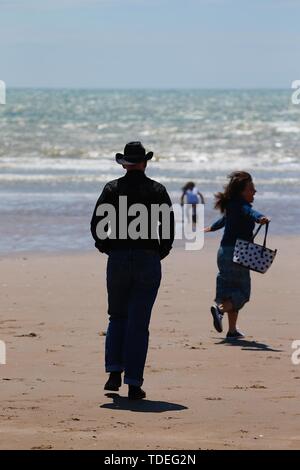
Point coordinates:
pixel 254 386
pixel 28 335
pixel 42 447
pixel 17 379
pixel 257 386
pixel 213 398
pixel 283 396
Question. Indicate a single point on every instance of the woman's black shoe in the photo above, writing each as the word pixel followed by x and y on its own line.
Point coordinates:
pixel 114 382
pixel 136 393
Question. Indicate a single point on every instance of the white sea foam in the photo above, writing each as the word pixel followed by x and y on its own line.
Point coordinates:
pixel 286 127
pixel 186 162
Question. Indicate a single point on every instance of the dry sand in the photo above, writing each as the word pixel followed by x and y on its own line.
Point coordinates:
pixel 203 393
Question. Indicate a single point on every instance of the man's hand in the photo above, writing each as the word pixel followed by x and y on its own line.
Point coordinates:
pixel 264 220
pixel 207 229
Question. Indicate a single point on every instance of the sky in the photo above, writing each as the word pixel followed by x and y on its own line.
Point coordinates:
pixel 150 43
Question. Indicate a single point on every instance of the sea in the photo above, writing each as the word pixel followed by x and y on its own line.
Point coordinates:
pixel 58 146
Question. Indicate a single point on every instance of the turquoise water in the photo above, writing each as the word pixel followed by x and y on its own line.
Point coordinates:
pixel 57 150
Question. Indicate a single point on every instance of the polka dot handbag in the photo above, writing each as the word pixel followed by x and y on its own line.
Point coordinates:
pixel 252 256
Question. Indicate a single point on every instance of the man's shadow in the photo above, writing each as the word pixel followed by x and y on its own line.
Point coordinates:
pixel 145 406
pixel 246 345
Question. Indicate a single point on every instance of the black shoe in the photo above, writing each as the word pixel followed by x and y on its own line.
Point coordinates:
pixel 217 317
pixel 136 393
pixel 235 335
pixel 114 382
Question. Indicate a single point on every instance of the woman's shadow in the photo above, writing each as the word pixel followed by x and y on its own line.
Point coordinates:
pixel 246 345
pixel 145 406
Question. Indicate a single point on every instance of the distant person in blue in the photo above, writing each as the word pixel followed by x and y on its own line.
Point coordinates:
pixel 193 197
pixel 239 218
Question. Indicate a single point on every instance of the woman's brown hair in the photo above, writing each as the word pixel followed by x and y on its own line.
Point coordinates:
pixel 232 190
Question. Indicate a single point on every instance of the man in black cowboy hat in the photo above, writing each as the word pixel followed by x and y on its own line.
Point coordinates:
pixel 133 268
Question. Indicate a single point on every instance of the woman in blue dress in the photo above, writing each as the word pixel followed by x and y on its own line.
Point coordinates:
pixel 233 283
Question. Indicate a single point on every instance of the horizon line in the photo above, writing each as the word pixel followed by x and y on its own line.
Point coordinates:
pixel 87 88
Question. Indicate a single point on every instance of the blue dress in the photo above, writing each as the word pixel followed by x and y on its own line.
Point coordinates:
pixel 233 281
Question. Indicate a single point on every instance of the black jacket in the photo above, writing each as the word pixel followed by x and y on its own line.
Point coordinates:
pixel 142 190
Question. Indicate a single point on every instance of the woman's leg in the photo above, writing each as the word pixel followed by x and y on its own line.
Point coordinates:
pixel 227 306
pixel 232 288
pixel 232 319
pixel 194 216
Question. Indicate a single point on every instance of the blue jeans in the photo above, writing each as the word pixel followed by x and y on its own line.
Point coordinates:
pixel 133 279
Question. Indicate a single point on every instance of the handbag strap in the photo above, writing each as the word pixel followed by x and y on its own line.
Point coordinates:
pixel 266 233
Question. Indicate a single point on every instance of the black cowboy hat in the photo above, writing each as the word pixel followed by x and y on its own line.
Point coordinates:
pixel 134 152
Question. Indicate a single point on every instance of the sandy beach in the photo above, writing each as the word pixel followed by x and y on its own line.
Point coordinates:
pixel 202 393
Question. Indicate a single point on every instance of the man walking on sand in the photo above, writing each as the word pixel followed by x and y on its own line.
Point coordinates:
pixel 133 268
